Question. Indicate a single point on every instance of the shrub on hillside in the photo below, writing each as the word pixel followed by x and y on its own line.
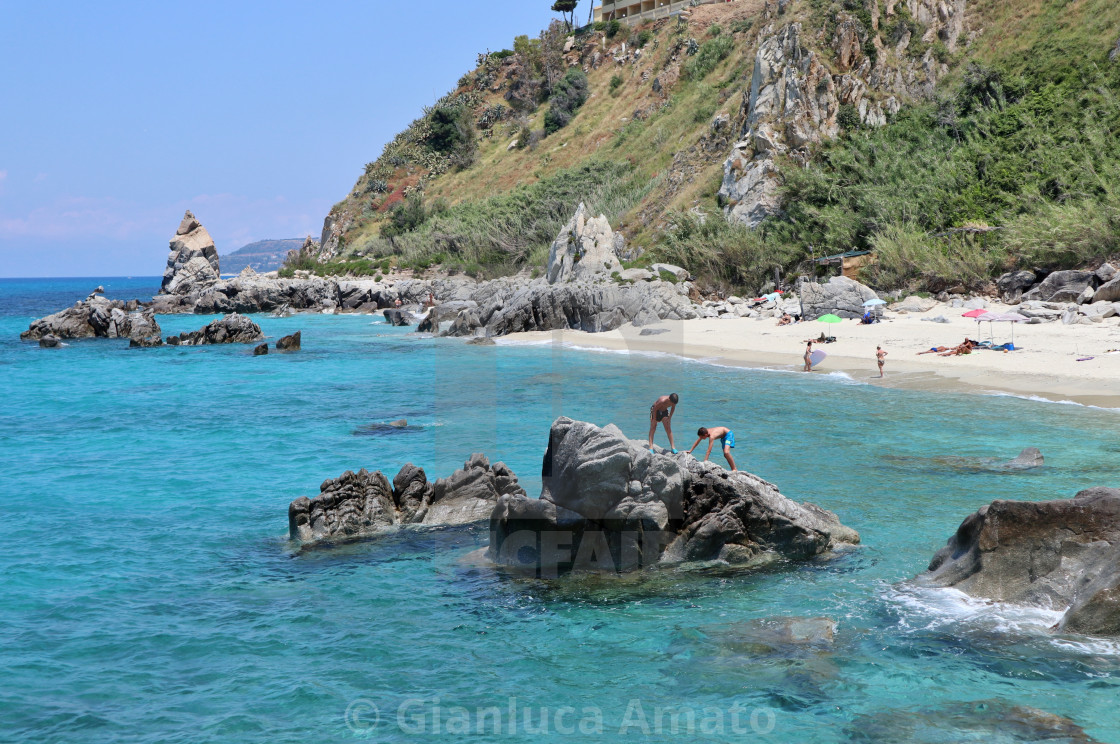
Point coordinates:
pixel 732 254
pixel 709 54
pixel 509 229
pixel 570 94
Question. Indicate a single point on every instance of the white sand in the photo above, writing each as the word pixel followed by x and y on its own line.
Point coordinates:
pixel 1045 365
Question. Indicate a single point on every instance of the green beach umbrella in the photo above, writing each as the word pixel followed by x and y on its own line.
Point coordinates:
pixel 830 318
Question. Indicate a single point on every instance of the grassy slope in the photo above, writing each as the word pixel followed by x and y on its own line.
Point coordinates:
pixel 604 132
pixel 885 189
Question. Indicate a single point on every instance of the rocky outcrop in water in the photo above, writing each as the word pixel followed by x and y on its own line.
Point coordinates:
pixel 586 248
pixel 1029 458
pixel 1061 555
pixel 363 503
pixel 97 317
pixel 610 504
pixel 252 294
pixel 290 343
pixel 193 260
pixel 232 329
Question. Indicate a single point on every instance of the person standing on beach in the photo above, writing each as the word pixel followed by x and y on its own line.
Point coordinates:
pixel 724 435
pixel 662 412
pixel 809 356
pixel 881 358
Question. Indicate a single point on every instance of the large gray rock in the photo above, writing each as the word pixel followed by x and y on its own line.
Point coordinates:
pixel 610 504
pixel 586 307
pixel 1108 292
pixel 840 296
pixel 584 249
pixel 96 317
pixel 232 329
pixel 1061 286
pixel 193 261
pixel 1059 555
pixel 914 304
pixel 1016 280
pixel 363 503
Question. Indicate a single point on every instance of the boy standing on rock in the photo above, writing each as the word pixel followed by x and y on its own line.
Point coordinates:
pixel 724 435
pixel 662 411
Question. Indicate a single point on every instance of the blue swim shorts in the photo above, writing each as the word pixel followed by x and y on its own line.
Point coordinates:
pixel 728 439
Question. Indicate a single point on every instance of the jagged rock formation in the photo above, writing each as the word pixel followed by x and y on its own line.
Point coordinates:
pixel 363 503
pixel 193 260
pixel 796 93
pixel 290 343
pixel 261 350
pixel 97 317
pixel 1061 286
pixel 608 503
pixel 840 296
pixel 1061 555
pixel 252 294
pixel 232 329
pixel 586 248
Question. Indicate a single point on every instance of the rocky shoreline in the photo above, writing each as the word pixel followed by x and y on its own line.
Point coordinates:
pixel 584 288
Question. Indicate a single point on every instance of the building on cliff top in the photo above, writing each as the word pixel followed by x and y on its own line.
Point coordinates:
pixel 635 11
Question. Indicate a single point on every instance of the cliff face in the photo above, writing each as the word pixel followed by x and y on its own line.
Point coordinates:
pixel 798 90
pixel 855 111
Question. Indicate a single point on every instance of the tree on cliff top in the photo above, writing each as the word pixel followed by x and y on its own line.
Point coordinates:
pixel 567 8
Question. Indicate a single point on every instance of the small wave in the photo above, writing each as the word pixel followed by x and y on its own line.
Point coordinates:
pixel 1040 399
pixel 941 609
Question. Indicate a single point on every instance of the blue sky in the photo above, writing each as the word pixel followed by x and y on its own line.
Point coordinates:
pixel 116 117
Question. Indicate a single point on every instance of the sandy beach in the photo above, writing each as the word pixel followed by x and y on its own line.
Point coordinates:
pixel 1046 363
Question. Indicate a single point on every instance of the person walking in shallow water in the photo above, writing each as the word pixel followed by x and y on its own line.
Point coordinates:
pixel 724 435
pixel 809 356
pixel 661 412
pixel 881 358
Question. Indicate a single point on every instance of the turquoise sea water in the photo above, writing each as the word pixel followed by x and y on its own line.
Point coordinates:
pixel 149 593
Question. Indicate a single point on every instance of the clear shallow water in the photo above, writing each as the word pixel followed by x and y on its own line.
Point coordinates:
pixel 149 593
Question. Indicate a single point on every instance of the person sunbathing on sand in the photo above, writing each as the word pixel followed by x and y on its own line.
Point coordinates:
pixel 785 319
pixel 963 348
pixel 724 435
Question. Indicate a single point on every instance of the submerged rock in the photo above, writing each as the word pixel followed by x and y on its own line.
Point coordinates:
pixel 49 342
pixel 261 350
pixel 232 329
pixel 361 504
pixel 1058 555
pixel 608 503
pixel 985 720
pixel 1030 457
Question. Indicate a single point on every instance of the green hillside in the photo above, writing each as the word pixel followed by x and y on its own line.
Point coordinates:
pixel 1012 160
